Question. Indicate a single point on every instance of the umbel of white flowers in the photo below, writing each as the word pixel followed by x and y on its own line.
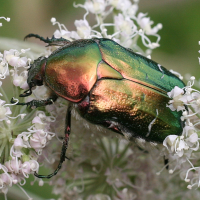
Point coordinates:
pixel 26 133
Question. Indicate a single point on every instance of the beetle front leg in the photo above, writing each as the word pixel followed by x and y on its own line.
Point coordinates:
pixel 64 146
pixel 37 103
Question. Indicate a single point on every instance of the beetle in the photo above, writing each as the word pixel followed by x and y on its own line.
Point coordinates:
pixel 111 86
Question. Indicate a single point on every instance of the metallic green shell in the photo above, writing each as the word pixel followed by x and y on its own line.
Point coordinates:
pixel 116 88
pixel 138 68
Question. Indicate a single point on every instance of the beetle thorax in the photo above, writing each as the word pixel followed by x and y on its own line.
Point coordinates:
pixel 36 72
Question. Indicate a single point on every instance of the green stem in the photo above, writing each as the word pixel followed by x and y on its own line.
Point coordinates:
pixel 3 144
pixel 25 123
pixel 2 135
pixel 4 94
pixel 19 129
pixel 7 150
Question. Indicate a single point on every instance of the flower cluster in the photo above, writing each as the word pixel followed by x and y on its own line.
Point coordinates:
pixel 23 136
pixel 128 26
pixel 99 168
pixel 24 132
pixel 184 148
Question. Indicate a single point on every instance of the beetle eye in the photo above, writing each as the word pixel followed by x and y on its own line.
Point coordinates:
pixel 32 84
pixel 39 83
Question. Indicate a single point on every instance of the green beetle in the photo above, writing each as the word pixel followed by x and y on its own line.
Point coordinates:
pixel 111 86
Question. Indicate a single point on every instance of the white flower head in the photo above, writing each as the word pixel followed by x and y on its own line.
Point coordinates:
pixel 31 136
pixel 145 23
pixel 13 59
pixel 132 10
pixel 125 25
pixel 20 80
pixel 62 34
pixel 83 29
pixel 95 6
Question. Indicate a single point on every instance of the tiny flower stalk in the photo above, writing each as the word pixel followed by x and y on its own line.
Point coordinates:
pixel 101 166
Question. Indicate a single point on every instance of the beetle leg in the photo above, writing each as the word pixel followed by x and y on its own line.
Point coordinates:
pixel 166 162
pixel 50 41
pixel 64 146
pixel 37 103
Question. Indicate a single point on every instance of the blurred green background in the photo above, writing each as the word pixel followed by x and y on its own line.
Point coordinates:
pixel 179 36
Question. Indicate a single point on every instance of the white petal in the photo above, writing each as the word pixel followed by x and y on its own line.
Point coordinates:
pixel 8 111
pixel 169 140
pixel 193 138
pixel 37 120
pixel 181 145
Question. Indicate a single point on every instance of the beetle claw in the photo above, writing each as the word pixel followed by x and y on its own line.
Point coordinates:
pixel 12 100
pixel 67 158
pixel 16 103
pixel 26 93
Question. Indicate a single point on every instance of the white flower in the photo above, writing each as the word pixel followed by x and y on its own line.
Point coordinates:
pixel 4 111
pixel 178 145
pixel 176 103
pixel 95 6
pixel 193 99
pixel 122 5
pixel 20 80
pixel 13 59
pixel 169 142
pixel 3 69
pixel 19 143
pixel 145 23
pixel 125 194
pixel 62 34
pixel 131 10
pixel 29 167
pixel 125 25
pixel 191 137
pixel 83 29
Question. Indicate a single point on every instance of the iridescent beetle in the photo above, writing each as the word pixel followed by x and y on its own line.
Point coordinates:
pixel 111 85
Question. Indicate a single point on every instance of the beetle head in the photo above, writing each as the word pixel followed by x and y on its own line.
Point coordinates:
pixel 35 75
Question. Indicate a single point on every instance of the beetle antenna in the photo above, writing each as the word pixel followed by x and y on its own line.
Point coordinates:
pixel 36 36
pixel 50 41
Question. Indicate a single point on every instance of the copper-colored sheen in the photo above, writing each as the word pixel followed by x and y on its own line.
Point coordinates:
pixel 72 73
pixel 133 107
